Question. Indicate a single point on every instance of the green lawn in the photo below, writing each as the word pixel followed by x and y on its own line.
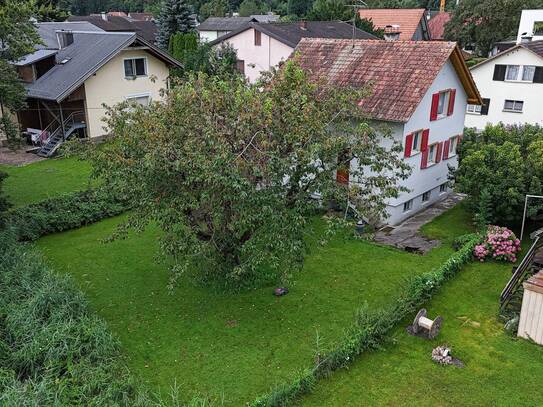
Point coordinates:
pixel 500 370
pixel 43 179
pixel 231 346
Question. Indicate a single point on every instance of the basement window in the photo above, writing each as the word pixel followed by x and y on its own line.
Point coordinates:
pixel 515 106
pixel 135 67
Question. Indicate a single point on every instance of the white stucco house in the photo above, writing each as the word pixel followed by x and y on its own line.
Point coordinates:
pixel 77 70
pixel 261 46
pixel 511 84
pixel 420 91
pixel 530 26
pixel 215 27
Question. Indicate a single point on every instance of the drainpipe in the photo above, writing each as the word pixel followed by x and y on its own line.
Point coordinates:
pixel 62 122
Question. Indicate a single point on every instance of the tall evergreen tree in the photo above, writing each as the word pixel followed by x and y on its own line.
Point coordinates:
pixel 175 16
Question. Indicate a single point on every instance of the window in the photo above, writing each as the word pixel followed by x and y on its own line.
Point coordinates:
pixel 512 72
pixel 426 196
pixel 135 67
pixel 408 205
pixel 417 141
pixel 528 72
pixel 240 66
pixel 513 106
pixel 538 28
pixel 443 103
pixel 453 143
pixel 475 109
pixel 432 152
pixel 442 188
pixel 258 38
pixel 143 100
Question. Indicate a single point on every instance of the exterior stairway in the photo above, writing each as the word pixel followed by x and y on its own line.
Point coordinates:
pixel 71 124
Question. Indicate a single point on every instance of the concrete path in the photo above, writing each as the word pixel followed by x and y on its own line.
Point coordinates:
pixel 406 235
pixel 17 157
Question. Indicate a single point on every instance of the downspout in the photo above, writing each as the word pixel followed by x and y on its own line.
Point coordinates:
pixel 62 121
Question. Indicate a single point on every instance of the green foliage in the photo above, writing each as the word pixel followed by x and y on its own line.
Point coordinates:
pixel 4 204
pixel 371 328
pixel 498 167
pixel 250 7
pixel 53 350
pixel 182 44
pixel 299 7
pixel 228 170
pixel 18 37
pixel 67 211
pixel 213 8
pixel 50 10
pixel 481 23
pixel 175 16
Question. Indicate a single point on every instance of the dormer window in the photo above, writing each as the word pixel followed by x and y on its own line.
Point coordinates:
pixel 135 67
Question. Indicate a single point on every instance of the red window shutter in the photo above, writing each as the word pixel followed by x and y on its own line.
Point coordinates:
pixel 435 104
pixel 425 138
pixel 439 152
pixel 446 148
pixel 408 145
pixel 452 97
pixel 424 159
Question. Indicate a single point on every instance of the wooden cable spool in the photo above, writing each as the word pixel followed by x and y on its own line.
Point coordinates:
pixel 423 325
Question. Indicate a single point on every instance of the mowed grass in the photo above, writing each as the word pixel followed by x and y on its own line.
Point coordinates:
pixel 44 179
pixel 500 370
pixel 231 347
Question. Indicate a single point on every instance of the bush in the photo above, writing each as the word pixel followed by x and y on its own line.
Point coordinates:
pixel 372 327
pixel 53 349
pixel 499 243
pixel 67 211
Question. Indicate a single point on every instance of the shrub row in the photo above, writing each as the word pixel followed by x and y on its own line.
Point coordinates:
pixel 371 328
pixel 63 212
pixel 53 349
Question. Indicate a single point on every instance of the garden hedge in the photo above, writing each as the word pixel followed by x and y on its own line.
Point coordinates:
pixel 63 212
pixel 371 328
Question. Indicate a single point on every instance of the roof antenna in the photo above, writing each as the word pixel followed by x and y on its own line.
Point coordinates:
pixel 357 6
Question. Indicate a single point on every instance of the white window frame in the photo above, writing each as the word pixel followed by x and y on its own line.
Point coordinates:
pixel 515 103
pixel 145 64
pixel 432 154
pixel 407 206
pixel 531 80
pixel 443 104
pixel 128 98
pixel 417 142
pixel 428 195
pixel 509 69
pixel 453 143
pixel 474 109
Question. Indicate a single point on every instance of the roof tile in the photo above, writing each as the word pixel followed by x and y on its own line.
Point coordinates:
pixel 407 19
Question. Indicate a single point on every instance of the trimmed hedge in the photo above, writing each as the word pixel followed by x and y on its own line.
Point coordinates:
pixel 63 212
pixel 372 327
pixel 53 349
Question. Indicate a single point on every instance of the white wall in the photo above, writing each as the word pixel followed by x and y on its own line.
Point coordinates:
pixel 258 58
pixel 206 36
pixel 108 85
pixel 527 20
pixel 498 91
pixel 429 179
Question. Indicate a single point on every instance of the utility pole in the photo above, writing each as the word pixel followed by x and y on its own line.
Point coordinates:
pixel 357 6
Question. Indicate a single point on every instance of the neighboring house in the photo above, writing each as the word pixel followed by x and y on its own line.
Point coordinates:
pixel 71 77
pixel 402 24
pixel 145 29
pixel 419 91
pixel 530 26
pixel 263 46
pixel 511 84
pixel 215 27
pixel 436 24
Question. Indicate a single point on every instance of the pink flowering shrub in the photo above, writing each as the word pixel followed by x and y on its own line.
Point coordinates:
pixel 500 244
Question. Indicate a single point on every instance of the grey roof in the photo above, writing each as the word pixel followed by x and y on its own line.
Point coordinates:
pixel 534 46
pixel 47 31
pixel 36 56
pixel 224 23
pixel 89 52
pixel 265 18
pixel 144 28
pixel 291 33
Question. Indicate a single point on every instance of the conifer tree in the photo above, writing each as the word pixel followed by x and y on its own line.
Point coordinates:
pixel 175 16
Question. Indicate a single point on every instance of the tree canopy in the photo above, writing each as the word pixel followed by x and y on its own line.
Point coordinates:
pixel 175 16
pixel 233 173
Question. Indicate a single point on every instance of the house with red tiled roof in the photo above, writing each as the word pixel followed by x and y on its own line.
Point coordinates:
pixel 418 89
pixel 437 23
pixel 410 24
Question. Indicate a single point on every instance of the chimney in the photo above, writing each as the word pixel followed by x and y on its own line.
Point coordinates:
pixel 303 25
pixel 64 38
pixel 103 15
pixel 526 37
pixel 392 32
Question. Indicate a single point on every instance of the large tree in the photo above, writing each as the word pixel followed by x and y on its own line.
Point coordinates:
pixel 175 16
pixel 231 171
pixel 18 37
pixel 481 23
